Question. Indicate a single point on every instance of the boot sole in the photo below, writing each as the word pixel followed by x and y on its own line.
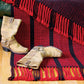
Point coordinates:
pixel 8 50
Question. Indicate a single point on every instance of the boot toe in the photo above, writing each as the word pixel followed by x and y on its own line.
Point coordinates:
pixel 18 49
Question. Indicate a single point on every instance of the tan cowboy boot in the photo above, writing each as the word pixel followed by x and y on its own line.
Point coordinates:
pixel 34 58
pixel 8 29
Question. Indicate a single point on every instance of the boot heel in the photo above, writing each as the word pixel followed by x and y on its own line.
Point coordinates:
pixel 5 49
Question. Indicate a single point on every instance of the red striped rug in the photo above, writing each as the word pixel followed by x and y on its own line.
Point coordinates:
pixel 43 25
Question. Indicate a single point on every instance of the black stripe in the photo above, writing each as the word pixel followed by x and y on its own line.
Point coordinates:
pixel 75 58
pixel 51 37
pixel 81 70
pixel 61 77
pixel 51 26
pixel 72 53
pixel 12 59
pixel 51 29
pixel 31 32
pixel 70 31
pixel 32 41
pixel 12 11
pixel 36 74
pixel 12 54
pixel 71 47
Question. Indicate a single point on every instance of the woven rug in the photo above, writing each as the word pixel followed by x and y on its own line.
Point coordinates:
pixel 51 69
pixel 63 32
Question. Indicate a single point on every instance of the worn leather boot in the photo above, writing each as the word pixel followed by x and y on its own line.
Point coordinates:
pixel 34 58
pixel 8 29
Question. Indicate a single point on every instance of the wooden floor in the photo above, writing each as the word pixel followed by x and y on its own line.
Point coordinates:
pixel 5 72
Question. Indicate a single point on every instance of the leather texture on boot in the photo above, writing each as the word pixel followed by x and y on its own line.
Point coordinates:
pixel 8 29
pixel 34 58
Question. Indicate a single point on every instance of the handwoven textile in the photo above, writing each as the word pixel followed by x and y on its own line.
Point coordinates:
pixel 57 27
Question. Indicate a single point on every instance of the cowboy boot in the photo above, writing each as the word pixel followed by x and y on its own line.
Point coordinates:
pixel 8 29
pixel 34 58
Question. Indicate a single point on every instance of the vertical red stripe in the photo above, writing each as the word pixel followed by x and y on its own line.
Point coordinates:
pixel 67 27
pixel 82 36
pixel 57 22
pixel 52 73
pixel 39 16
pixel 60 24
pixel 22 4
pixel 79 34
pixel 20 77
pixel 74 32
pixel 30 7
pixel 63 26
pixel 41 75
pixel 26 5
pixel 57 77
pixel 46 16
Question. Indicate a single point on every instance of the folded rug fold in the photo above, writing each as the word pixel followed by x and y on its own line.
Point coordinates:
pixel 42 10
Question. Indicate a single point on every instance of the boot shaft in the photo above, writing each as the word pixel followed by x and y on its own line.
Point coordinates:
pixel 9 26
pixel 8 29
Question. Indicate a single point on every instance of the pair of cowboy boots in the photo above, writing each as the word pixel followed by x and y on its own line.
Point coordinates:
pixel 35 56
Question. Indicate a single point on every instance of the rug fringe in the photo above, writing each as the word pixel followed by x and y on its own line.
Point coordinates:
pixel 78 33
pixel 46 74
pixel 43 15
pixel 27 6
pixel 61 25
